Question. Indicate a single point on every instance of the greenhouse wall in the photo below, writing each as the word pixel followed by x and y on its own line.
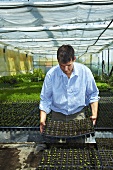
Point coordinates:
pixel 13 62
pixel 45 63
pixel 93 61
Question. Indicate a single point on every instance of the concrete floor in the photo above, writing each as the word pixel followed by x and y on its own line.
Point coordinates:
pixel 20 150
pixel 18 156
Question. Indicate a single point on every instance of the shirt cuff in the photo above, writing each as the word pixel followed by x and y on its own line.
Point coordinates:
pixel 44 108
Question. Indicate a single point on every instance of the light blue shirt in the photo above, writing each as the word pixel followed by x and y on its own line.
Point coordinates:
pixel 68 95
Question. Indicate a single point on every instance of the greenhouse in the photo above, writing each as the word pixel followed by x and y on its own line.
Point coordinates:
pixel 31 32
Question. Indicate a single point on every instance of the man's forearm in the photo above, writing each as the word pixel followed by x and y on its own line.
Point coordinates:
pixel 42 116
pixel 42 120
pixel 94 108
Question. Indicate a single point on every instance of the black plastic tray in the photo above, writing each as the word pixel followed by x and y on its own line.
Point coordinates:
pixel 74 167
pixel 66 156
pixel 104 143
pixel 54 138
pixel 106 158
pixel 19 116
pixel 68 130
pixel 70 159
pixel 19 128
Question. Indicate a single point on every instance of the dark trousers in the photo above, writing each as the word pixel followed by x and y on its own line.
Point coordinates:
pixel 57 116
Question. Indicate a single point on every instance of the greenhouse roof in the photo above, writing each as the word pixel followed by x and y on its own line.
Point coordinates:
pixel 42 26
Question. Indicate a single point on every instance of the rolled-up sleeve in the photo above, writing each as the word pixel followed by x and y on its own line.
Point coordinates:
pixel 46 95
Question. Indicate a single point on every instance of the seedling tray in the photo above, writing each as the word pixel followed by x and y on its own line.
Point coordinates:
pixel 74 145
pixel 19 128
pixel 105 149
pixel 105 116
pixel 19 116
pixel 106 158
pixel 104 143
pixel 74 167
pixel 55 158
pixel 106 93
pixel 76 158
pixel 68 130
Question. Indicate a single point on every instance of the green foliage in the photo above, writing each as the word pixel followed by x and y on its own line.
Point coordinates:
pixel 97 78
pixel 37 75
pixel 23 87
pixel 111 80
pixel 27 87
pixel 28 91
pixel 105 78
pixel 103 86
pixel 8 79
pixel 104 81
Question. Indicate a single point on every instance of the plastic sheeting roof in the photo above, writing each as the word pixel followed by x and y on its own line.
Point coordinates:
pixel 42 26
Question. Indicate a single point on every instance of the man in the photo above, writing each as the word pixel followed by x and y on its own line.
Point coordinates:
pixel 68 87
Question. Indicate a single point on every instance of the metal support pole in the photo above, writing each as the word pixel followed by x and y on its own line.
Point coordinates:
pixel 98 66
pixel 91 61
pixel 108 61
pixel 102 65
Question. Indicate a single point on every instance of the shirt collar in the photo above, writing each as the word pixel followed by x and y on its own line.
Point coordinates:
pixel 75 70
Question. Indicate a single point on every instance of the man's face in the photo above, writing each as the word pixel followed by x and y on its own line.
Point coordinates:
pixel 67 68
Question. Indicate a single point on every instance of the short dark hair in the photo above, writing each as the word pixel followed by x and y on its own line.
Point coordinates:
pixel 65 54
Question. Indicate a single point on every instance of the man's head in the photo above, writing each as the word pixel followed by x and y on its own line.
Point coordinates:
pixel 65 57
pixel 65 54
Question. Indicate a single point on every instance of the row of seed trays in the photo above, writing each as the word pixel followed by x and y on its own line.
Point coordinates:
pixel 70 158
pixel 66 130
pixel 75 156
pixel 107 95
pixel 104 143
pixel 106 107
pixel 105 149
pixel 105 121
pixel 106 158
pixel 105 112
pixel 16 115
pixel 105 116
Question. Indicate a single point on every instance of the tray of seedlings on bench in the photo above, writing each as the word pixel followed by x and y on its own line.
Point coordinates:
pixel 71 129
pixel 70 157
pixel 19 116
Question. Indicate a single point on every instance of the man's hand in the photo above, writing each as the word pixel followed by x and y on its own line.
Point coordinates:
pixel 93 118
pixel 42 124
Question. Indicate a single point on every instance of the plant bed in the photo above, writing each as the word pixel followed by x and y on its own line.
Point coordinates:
pixel 106 158
pixel 73 145
pixel 22 114
pixel 66 130
pixel 70 158
pixel 104 143
pixel 106 93
pixel 105 117
pixel 105 112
